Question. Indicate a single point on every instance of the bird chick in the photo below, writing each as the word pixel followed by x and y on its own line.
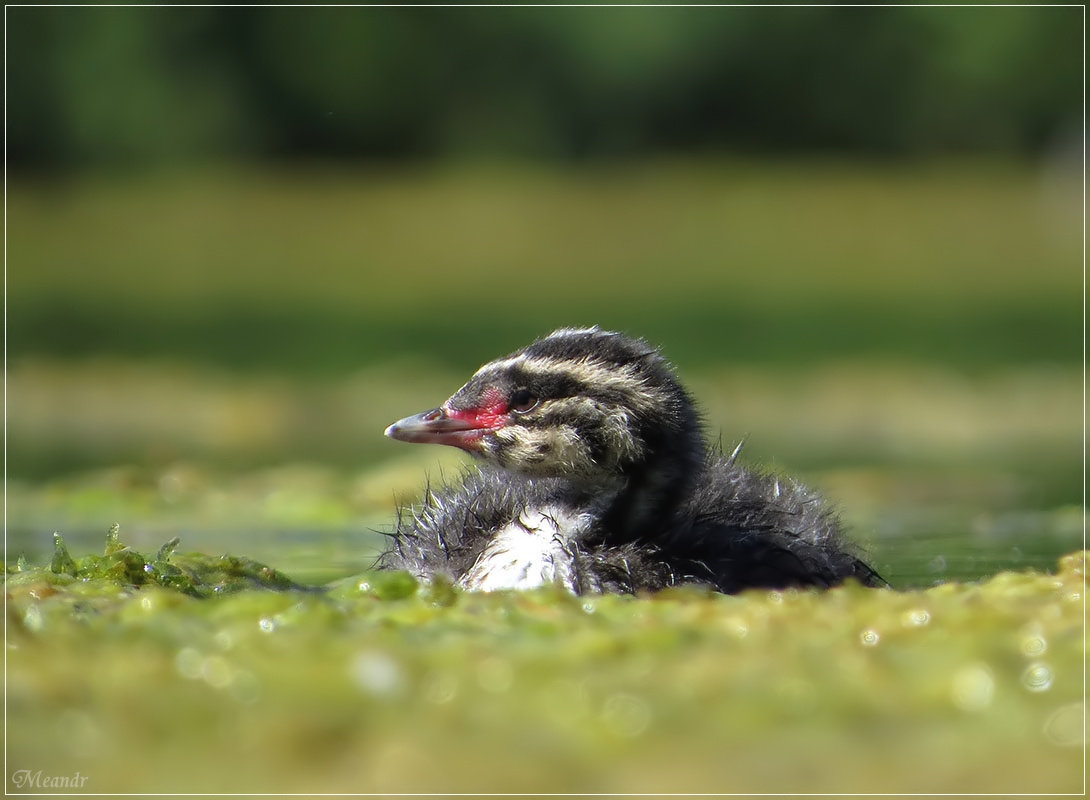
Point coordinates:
pixel 596 474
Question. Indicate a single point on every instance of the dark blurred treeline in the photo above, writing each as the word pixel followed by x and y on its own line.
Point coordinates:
pixel 118 85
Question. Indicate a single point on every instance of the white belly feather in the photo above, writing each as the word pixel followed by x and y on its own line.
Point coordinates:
pixel 529 552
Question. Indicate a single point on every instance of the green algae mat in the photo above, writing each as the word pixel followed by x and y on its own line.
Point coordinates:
pixel 167 672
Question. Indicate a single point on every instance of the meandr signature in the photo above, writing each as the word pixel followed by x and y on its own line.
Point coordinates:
pixel 36 779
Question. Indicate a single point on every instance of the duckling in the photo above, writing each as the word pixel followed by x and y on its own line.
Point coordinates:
pixel 595 474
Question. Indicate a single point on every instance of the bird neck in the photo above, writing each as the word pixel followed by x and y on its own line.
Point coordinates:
pixel 646 498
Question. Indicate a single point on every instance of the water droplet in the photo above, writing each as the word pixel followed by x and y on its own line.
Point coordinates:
pixel 188 663
pixel 737 626
pixel 937 564
pixel 32 618
pixel 378 674
pixel 1064 727
pixel 216 672
pixel 869 638
pixel 1034 645
pixel 626 714
pixel 267 624
pixel 916 618
pixel 1037 677
pixel 442 688
pixel 973 687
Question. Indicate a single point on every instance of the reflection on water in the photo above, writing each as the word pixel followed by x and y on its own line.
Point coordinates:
pixel 952 539
pixel 922 558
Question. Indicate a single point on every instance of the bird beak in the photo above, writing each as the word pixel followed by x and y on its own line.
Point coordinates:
pixel 441 426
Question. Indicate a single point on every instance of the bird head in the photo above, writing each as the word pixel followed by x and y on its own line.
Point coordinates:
pixel 585 404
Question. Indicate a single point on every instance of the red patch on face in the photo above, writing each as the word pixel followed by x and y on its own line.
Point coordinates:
pixel 490 415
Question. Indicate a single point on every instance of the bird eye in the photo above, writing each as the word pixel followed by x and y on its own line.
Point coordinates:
pixel 522 401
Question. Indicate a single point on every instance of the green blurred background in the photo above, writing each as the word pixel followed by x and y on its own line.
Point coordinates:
pixel 240 241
